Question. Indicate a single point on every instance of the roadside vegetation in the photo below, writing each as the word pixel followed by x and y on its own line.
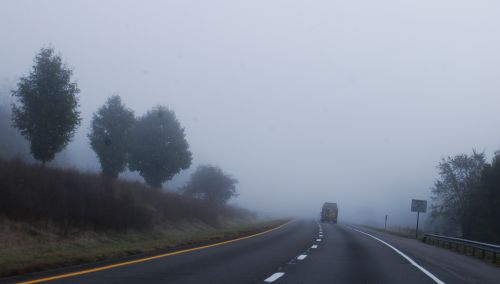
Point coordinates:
pixel 52 216
pixel 465 201
pixel 71 200
pixel 27 248
pixel 466 197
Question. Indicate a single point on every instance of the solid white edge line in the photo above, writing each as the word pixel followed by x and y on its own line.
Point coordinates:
pixel 274 277
pixel 425 271
pixel 301 257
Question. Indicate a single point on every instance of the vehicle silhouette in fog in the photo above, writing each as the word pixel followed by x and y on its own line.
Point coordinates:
pixel 329 212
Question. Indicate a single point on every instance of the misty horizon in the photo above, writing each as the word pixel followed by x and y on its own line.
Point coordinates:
pixel 346 102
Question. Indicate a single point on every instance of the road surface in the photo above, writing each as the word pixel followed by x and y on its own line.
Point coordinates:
pixel 303 251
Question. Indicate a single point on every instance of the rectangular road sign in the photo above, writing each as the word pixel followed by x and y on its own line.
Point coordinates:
pixel 418 205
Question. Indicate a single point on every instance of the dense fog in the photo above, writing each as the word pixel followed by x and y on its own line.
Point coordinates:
pixel 303 102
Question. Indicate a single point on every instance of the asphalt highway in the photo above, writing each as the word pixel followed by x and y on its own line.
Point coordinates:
pixel 303 251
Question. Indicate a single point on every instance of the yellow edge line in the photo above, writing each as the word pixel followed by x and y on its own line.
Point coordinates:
pixel 147 258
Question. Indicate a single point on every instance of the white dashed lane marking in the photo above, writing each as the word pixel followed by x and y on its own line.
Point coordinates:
pixel 301 257
pixel 277 275
pixel 274 277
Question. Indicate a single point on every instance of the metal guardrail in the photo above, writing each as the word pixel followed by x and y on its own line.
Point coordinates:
pixel 455 243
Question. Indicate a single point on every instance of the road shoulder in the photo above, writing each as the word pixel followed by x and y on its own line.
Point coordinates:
pixel 448 265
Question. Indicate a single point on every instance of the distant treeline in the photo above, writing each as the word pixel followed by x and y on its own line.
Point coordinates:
pixel 466 197
pixel 12 143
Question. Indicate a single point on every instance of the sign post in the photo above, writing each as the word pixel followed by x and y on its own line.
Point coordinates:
pixel 418 206
pixel 385 225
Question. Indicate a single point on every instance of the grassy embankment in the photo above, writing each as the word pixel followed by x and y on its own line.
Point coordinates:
pixel 51 218
pixel 24 248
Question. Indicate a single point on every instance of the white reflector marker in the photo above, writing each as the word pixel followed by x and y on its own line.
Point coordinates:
pixel 318 240
pixel 274 277
pixel 314 246
pixel 301 257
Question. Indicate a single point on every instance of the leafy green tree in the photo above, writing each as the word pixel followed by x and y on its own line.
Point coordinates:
pixel 452 192
pixel 109 136
pixel 159 149
pixel 212 184
pixel 46 112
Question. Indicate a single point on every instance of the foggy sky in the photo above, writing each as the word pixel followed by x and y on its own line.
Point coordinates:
pixel 353 102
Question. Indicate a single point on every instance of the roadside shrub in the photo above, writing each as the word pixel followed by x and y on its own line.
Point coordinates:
pixel 74 200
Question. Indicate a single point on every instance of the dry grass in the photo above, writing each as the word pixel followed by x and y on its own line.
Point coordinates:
pixel 71 199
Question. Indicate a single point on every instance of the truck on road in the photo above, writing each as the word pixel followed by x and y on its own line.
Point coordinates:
pixel 329 212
